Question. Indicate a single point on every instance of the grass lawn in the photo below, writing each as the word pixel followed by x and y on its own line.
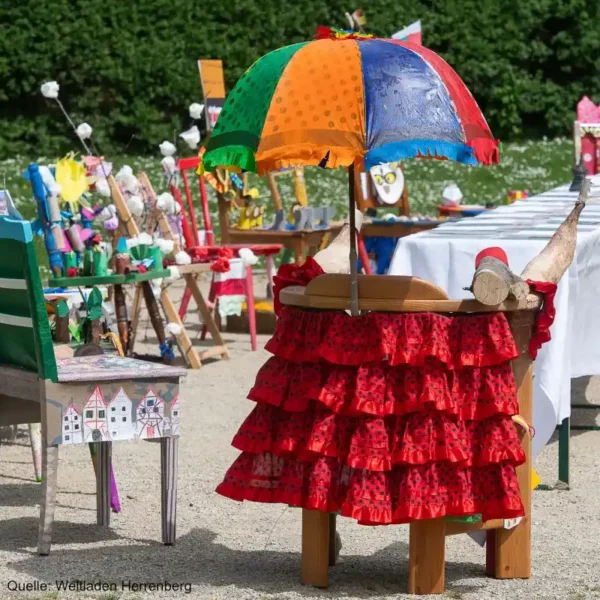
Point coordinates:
pixel 533 166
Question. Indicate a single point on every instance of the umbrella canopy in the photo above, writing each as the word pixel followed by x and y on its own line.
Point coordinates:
pixel 346 97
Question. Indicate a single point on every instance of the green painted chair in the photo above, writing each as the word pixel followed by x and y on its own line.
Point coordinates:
pixel 94 399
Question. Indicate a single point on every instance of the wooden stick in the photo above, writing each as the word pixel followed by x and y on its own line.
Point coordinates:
pixel 274 191
pixel 122 208
pixel 494 282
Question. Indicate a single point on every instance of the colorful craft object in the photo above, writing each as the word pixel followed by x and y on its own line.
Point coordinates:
pixel 72 178
pixel 332 101
pixel 588 117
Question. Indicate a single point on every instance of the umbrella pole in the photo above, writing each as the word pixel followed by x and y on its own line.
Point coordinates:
pixel 353 256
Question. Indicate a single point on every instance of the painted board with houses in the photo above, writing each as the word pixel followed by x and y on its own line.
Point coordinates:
pixel 84 412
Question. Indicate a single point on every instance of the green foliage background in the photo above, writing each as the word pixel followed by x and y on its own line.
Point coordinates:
pixel 128 67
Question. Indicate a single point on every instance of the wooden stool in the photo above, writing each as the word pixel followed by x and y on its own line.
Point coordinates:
pixel 509 550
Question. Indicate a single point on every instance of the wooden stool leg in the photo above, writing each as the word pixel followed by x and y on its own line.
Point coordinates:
pixel 103 460
pixel 168 463
pixel 315 548
pixel 35 437
pixel 427 560
pixel 48 504
pixel 135 318
pixel 270 273
pixel 250 308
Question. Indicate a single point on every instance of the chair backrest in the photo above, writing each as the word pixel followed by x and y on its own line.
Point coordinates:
pixel 25 338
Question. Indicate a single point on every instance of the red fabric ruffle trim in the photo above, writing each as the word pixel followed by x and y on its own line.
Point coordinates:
pixel 377 443
pixel 380 389
pixel 544 317
pixel 399 338
pixel 293 274
pixel 486 150
pixel 405 494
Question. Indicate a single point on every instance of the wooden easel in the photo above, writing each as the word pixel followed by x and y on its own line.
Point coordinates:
pixel 183 339
pixel 190 274
pixel 508 553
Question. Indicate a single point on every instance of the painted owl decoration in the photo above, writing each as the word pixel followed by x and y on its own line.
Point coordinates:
pixel 389 182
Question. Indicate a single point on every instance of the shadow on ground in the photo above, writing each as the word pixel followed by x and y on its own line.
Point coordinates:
pixel 198 559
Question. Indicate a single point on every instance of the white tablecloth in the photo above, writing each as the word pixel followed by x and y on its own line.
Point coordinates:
pixel 448 260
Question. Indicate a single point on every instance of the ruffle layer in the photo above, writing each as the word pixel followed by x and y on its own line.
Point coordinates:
pixel 380 389
pixel 477 340
pixel 405 494
pixel 376 443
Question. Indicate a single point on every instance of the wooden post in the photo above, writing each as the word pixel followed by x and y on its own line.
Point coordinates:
pixel 135 318
pixel 223 218
pixel 103 459
pixel 168 465
pixel 427 560
pixel 513 546
pixel 121 314
pixel 35 437
pixel 315 548
pixel 353 255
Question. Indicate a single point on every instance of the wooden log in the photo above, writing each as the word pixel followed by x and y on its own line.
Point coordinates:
pixel 554 260
pixel 494 282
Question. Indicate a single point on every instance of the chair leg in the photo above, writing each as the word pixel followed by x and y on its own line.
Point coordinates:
pixel 48 504
pixel 315 548
pixel 35 437
pixel 250 307
pixel 168 462
pixel 427 560
pixel 103 495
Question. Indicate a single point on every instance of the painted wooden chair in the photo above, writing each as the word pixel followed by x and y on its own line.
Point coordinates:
pixel 96 399
pixel 508 552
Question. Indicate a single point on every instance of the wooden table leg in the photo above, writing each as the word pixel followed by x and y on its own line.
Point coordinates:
pixel 103 461
pixel 315 548
pixel 333 540
pixel 168 464
pixel 220 349
pixel 299 250
pixel 427 560
pixel 270 273
pixel 183 339
pixel 155 318
pixel 49 481
pixel 135 317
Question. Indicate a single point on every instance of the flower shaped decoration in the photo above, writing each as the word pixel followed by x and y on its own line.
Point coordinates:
pixel 72 178
pixel 50 90
pixel 196 110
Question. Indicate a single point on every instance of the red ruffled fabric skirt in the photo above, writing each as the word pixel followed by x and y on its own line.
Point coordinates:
pixel 386 418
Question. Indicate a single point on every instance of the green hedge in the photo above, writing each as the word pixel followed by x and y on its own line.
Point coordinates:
pixel 129 67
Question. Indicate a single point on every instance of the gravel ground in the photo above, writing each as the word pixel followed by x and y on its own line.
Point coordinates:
pixel 231 550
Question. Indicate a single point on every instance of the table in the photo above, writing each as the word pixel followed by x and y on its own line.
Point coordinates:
pixel 446 257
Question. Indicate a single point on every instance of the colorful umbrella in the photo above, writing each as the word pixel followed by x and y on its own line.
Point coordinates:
pixel 344 98
pixel 348 97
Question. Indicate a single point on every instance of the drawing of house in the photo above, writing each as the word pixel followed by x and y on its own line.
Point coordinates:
pixel 175 416
pixel 120 426
pixel 149 415
pixel 94 418
pixel 72 426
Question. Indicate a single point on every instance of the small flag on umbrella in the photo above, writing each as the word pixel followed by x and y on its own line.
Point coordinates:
pixel 412 33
